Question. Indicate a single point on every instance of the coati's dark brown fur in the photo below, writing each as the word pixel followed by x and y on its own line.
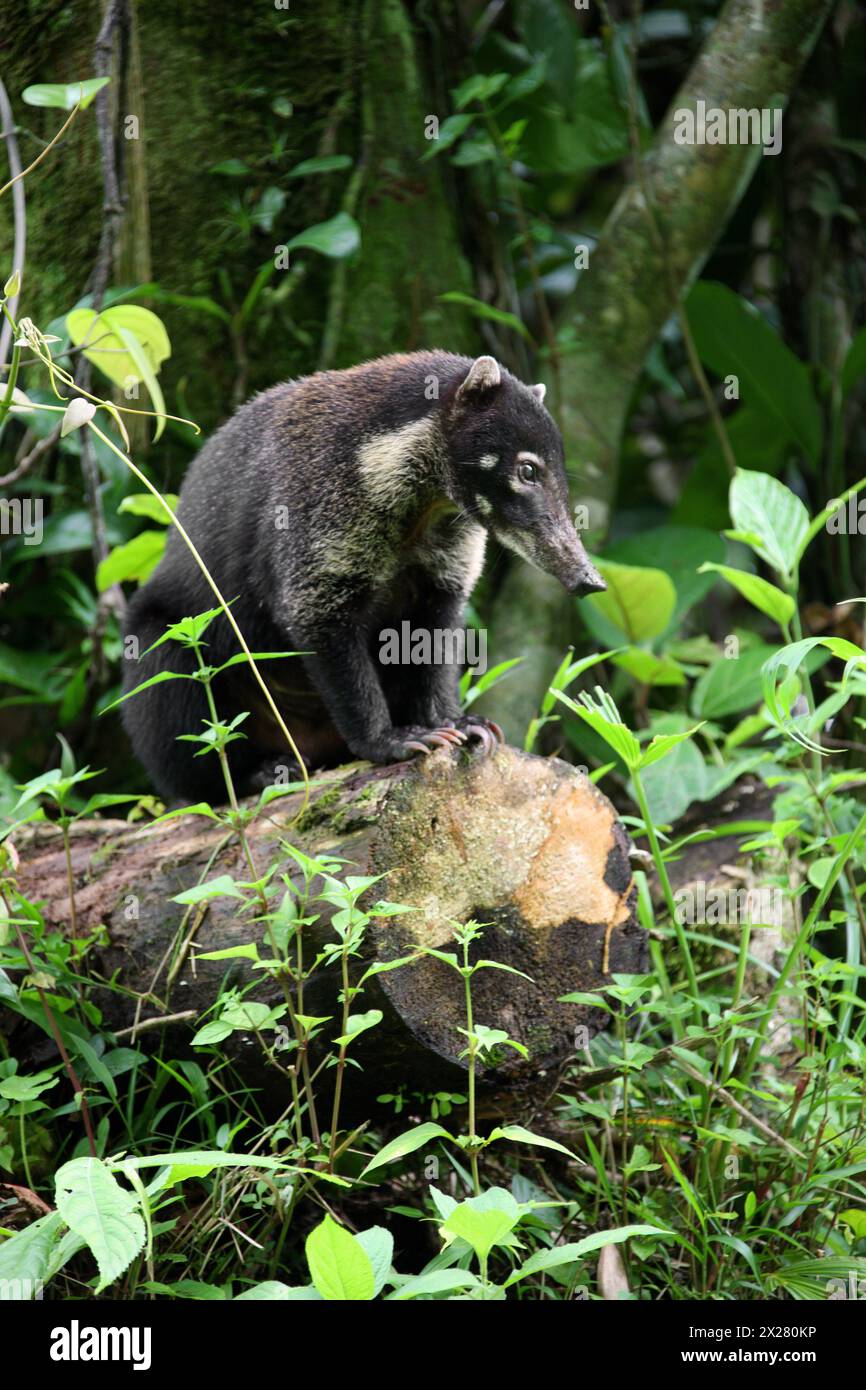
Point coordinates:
pixel 330 509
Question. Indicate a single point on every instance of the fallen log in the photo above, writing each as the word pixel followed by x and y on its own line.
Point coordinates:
pixel 525 844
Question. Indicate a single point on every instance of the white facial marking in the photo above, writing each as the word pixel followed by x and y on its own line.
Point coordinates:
pixel 482 506
pixel 488 460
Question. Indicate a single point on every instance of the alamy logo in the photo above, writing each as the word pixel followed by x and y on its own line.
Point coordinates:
pixel 22 516
pixel 20 1290
pixel 735 126
pixel 438 646
pixel 77 1343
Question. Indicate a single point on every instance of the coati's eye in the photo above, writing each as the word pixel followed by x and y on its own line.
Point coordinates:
pixel 527 472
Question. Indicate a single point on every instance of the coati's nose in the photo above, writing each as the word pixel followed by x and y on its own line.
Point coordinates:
pixel 587 580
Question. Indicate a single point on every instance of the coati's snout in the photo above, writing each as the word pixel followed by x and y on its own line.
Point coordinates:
pixel 511 473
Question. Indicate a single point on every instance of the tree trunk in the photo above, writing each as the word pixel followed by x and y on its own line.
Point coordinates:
pixel 524 844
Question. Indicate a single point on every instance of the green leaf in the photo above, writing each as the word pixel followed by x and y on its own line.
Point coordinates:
pixel 568 1254
pixel 272 1291
pixel 760 593
pixel 406 1144
pixel 784 663
pixel 519 1135
pixel 145 504
pixel 25 1256
pixel 222 887
pixel 379 1245
pixel 135 559
pixel 449 132
pixel 357 1024
pixel 733 338
pixel 248 952
pixel 64 95
pixel 480 1229
pixel 437 1281
pixel 616 735
pixel 763 507
pixel 485 311
pixel 340 1267
pixel 481 86
pixel 324 164
pixel 337 238
pixel 109 352
pixel 661 744
pixel 731 685
pixel 639 602
pixel 650 669
pixel 550 33
pixel 102 1213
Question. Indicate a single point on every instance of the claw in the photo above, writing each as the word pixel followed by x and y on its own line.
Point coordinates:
pixel 496 730
pixel 436 739
pixel 454 736
pixel 416 747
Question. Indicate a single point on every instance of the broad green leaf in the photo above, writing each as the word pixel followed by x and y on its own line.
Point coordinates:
pixel 379 1245
pixel 64 96
pixel 733 338
pixel 480 1229
pixel 731 685
pixel 272 1291
pixel 340 1267
pixel 639 602
pixel 650 669
pixel 760 593
pixel 107 349
pixel 337 238
pixel 406 1144
pixel 102 1213
pixel 25 1256
pixel 135 559
pixel 764 507
pixel 672 786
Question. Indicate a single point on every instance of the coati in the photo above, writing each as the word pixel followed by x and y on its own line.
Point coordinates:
pixel 331 508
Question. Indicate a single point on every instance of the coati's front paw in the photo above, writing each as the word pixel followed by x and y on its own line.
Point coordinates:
pixel 403 743
pixel 474 729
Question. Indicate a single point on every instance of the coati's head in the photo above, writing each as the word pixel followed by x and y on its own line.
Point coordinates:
pixel 508 471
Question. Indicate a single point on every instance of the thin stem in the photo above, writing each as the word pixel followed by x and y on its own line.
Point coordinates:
pixel 70 879
pixel 661 869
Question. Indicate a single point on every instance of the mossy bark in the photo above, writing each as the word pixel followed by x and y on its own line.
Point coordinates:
pixel 210 73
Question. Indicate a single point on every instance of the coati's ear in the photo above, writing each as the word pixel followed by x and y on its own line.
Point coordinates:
pixel 539 391
pixel 483 375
